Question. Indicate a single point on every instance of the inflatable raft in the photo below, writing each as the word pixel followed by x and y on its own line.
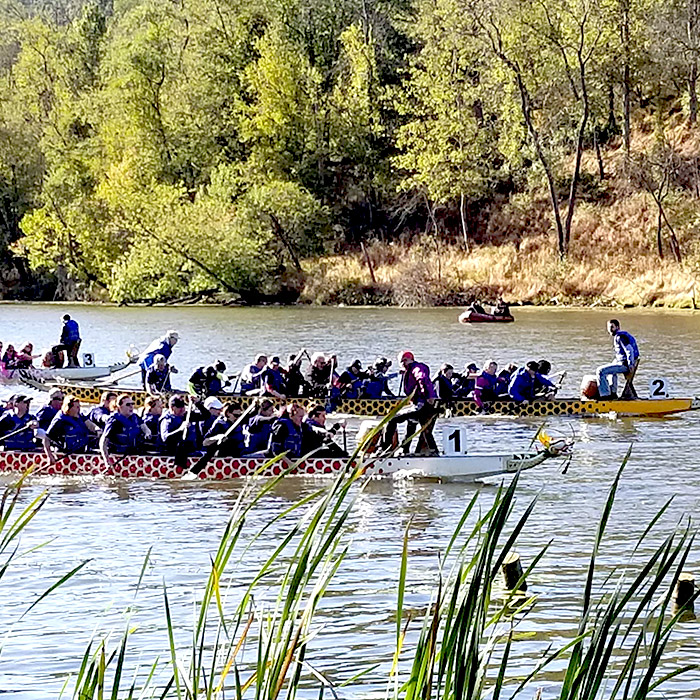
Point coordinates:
pixel 476 317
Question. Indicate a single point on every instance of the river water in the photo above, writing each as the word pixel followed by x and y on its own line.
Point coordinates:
pixel 115 523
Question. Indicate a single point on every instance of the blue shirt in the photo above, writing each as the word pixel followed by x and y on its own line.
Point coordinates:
pixel 70 332
pixel 626 350
pixel 157 347
pixel 522 385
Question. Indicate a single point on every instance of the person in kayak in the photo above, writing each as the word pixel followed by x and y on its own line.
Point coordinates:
pixel 626 357
pixel 160 346
pixel 418 385
pixel 522 385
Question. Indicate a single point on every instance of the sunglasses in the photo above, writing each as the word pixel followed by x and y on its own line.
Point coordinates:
pixel 129 403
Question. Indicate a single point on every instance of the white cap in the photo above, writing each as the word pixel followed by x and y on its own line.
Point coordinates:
pixel 212 402
pixel 173 334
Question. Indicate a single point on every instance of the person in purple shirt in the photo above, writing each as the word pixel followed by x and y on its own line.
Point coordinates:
pixel 486 385
pixel 418 385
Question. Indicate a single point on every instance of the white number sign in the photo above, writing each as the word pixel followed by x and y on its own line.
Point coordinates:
pixel 454 440
pixel 88 359
pixel 659 388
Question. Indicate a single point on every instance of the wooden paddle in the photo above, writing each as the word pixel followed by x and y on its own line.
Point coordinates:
pixel 15 432
pixel 202 462
pixel 180 453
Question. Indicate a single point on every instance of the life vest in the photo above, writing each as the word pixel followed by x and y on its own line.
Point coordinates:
pixel 124 434
pixel 71 332
pixel 275 380
pixel 160 378
pixel 70 433
pixel 170 422
pixel 259 430
pixel 251 379
pixel 152 421
pixel 285 437
pixel 22 441
pixel 45 415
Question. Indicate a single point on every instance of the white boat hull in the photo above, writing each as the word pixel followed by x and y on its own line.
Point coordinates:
pixel 41 377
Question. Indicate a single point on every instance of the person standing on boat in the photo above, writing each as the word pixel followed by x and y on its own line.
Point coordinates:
pixel 70 431
pixel 19 421
pixel 418 385
pixel 161 346
pixel 525 380
pixel 626 357
pixel 124 431
pixel 70 340
pixel 158 377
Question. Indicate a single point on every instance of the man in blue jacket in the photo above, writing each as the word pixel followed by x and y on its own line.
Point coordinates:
pixel 626 357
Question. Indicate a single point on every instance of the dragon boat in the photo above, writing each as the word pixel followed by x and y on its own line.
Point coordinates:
pixel 459 467
pixel 459 408
pixel 39 376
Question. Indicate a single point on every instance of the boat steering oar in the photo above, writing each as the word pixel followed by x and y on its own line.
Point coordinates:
pixel 202 462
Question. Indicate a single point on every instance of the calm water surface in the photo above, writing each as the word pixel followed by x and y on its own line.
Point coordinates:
pixel 115 523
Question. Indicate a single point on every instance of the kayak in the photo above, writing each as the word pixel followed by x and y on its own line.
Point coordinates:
pixel 463 467
pixel 458 408
pixel 475 317
pixel 39 375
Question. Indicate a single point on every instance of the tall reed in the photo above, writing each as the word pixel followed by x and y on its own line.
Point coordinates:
pixel 466 636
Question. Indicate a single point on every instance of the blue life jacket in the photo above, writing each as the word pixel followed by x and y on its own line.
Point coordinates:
pixel 235 442
pixel 70 332
pixel 124 434
pixel 99 416
pixel 160 378
pixel 170 422
pixel 251 379
pixel 163 348
pixel 45 415
pixel 285 437
pixel 22 441
pixel 69 433
pixel 259 431
pixel 274 379
pixel 152 422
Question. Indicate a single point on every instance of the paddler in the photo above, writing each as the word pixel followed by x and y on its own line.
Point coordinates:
pixel 443 383
pixel 234 445
pixel 626 357
pixel 158 377
pixel 259 427
pixel 316 438
pixel 486 385
pixel 251 376
pixel 46 413
pixel 525 380
pixel 20 421
pixel 124 432
pixel 286 433
pixel 273 381
pixel 377 383
pixel 100 413
pixel 350 380
pixel 161 346
pixel 176 433
pixel 318 376
pixel 418 385
pixel 70 431
pixel 151 415
pixel 208 381
pixel 294 379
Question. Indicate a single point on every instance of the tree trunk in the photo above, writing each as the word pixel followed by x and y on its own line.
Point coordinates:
pixel 626 80
pixel 692 27
pixel 463 218
pixel 598 155
pixel 659 239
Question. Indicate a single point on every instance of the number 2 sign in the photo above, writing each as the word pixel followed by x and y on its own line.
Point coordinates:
pixel 659 388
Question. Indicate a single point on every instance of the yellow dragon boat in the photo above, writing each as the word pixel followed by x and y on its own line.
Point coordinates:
pixel 381 407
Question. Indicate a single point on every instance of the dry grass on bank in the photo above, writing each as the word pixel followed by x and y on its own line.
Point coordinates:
pixel 613 257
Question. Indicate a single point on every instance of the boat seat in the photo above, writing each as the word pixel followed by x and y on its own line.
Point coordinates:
pixel 629 391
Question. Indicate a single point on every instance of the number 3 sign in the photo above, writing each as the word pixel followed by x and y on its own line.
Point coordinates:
pixel 659 388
